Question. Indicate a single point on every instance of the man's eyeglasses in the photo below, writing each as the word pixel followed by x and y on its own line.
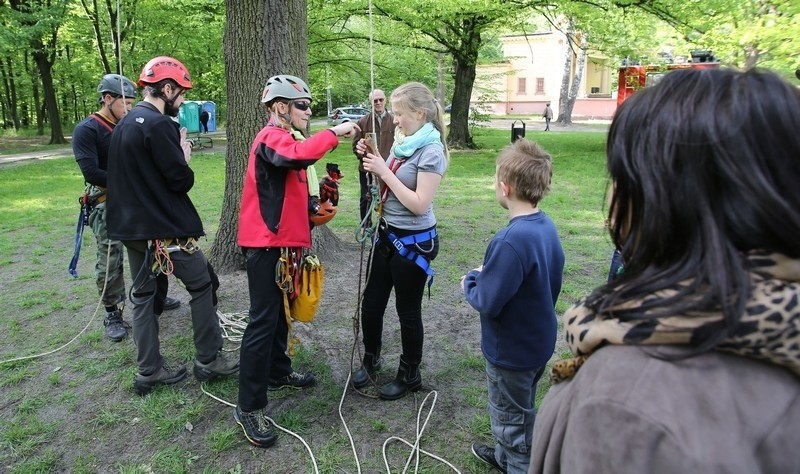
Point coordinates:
pixel 301 105
pixel 379 100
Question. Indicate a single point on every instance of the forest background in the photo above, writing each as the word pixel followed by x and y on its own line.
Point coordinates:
pixel 53 52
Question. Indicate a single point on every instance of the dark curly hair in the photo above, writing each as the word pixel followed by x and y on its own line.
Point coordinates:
pixel 704 168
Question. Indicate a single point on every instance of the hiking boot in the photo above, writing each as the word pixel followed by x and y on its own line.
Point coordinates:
pixel 366 373
pixel 171 303
pixel 486 454
pixel 116 327
pixel 222 366
pixel 294 380
pixel 257 428
pixel 408 379
pixel 166 375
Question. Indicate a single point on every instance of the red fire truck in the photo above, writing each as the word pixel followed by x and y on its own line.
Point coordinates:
pixel 635 77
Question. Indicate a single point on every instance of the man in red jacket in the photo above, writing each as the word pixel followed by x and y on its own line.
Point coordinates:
pixel 274 216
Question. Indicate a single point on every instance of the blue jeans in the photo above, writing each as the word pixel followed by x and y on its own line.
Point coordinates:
pixel 512 412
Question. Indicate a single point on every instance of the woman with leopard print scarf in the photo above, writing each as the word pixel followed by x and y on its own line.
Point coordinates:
pixel 689 361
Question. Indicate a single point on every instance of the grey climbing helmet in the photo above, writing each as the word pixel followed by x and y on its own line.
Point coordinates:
pixel 116 85
pixel 286 87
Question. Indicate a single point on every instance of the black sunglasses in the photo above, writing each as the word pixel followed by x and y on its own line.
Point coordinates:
pixel 301 105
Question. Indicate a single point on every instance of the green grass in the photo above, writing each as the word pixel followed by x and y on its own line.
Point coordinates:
pixel 75 410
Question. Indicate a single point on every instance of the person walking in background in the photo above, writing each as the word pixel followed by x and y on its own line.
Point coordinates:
pixel 515 291
pixel 275 215
pixel 204 116
pixel 384 128
pixel 90 144
pixel 548 116
pixel 688 361
pixel 411 176
pixel 150 211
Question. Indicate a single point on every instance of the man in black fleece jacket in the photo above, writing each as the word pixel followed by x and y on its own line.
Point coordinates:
pixel 149 210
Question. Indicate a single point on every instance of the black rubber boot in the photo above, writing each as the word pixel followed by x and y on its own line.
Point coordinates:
pixel 408 380
pixel 366 374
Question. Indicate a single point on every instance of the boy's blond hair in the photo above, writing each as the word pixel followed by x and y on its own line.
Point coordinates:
pixel 527 169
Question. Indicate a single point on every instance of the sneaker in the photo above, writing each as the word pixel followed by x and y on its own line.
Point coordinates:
pixel 294 380
pixel 222 366
pixel 166 375
pixel 116 327
pixel 171 303
pixel 486 454
pixel 257 428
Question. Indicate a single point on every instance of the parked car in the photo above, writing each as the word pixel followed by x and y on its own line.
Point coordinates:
pixel 347 114
pixel 447 108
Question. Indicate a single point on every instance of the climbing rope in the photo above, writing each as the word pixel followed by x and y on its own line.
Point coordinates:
pixel 91 319
pixel 308 448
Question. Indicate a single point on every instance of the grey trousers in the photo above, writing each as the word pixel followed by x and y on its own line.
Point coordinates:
pixel 193 271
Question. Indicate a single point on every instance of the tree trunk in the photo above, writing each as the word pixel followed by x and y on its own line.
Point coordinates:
pixel 10 90
pixel 466 59
pixel 563 97
pixel 262 38
pixel 751 56
pixel 94 19
pixel 566 116
pixel 51 105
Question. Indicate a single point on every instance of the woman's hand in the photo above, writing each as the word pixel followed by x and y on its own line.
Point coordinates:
pixel 374 164
pixel 346 129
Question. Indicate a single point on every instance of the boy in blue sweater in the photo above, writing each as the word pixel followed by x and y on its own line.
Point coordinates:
pixel 515 291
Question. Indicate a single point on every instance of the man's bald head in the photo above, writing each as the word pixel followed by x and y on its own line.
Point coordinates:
pixel 378 100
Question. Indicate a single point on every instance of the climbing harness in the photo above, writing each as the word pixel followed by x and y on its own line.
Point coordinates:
pixel 162 263
pixel 403 247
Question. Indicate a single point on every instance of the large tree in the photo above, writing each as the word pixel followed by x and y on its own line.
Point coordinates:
pixel 262 38
pixel 39 21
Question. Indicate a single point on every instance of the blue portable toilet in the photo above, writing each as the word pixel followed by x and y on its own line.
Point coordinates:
pixel 211 108
pixel 189 116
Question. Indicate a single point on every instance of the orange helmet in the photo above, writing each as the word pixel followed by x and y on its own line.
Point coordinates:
pixel 165 67
pixel 324 214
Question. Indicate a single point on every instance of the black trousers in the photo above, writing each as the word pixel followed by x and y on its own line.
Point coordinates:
pixel 390 270
pixel 263 352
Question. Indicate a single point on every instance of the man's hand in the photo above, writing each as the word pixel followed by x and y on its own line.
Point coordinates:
pixel 186 146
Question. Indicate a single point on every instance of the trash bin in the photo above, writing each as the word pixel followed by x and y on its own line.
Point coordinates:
pixel 517 132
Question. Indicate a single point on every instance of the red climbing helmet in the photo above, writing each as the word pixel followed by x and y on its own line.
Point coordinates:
pixel 165 67
pixel 324 214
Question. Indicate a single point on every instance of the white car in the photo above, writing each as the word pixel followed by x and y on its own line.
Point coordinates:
pixel 350 113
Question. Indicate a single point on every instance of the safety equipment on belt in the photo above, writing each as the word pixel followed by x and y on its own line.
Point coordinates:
pixel 83 221
pixel 117 85
pixel 165 67
pixel 324 214
pixel 408 247
pixel 300 278
pixel 309 289
pixel 286 87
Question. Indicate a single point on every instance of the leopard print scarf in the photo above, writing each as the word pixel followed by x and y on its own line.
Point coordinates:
pixel 769 329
